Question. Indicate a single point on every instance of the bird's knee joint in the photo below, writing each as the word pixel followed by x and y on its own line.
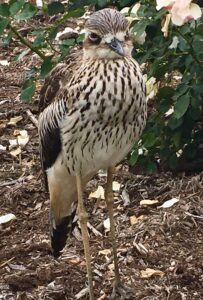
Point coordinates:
pixel 83 216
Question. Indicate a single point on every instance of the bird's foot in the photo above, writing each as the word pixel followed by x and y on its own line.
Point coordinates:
pixel 121 291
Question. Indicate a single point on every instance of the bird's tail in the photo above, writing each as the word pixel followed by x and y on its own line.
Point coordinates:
pixel 60 232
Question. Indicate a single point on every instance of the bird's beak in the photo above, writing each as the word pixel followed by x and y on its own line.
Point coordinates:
pixel 116 46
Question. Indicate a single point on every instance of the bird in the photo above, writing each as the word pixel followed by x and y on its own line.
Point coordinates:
pixel 92 110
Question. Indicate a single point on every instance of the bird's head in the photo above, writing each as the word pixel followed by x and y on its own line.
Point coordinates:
pixel 107 35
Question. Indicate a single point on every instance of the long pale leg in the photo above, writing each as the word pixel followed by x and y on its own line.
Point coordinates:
pixel 82 215
pixel 119 288
pixel 109 201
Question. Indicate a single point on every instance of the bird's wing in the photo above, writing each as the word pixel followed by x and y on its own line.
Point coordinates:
pixel 57 78
pixel 52 85
pixel 52 109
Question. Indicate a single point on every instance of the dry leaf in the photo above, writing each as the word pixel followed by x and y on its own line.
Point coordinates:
pixel 125 197
pixel 105 252
pixel 98 194
pixel 7 218
pixel 151 272
pixel 21 140
pixel 116 186
pixel 4 62
pixel 15 120
pixel 133 220
pixel 15 152
pixel 107 224
pixel 75 261
pixel 148 202
pixel 2 148
pixel 169 203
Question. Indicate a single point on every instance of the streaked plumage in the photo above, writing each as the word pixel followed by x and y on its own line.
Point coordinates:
pixel 93 109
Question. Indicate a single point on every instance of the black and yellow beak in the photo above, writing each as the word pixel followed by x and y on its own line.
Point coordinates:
pixel 116 46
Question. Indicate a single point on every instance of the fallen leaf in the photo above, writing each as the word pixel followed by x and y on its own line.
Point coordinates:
pixel 2 148
pixel 107 224
pixel 133 220
pixel 98 194
pixel 4 62
pixel 105 252
pixel 75 261
pixel 169 203
pixel 15 120
pixel 148 202
pixel 151 272
pixel 116 186
pixel 15 152
pixel 21 140
pixel 7 218
pixel 125 197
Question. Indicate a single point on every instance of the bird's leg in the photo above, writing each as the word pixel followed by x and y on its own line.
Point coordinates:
pixel 119 289
pixel 109 201
pixel 82 215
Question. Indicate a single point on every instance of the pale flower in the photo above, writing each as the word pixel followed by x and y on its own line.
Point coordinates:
pixel 167 4
pixel 181 11
pixel 184 11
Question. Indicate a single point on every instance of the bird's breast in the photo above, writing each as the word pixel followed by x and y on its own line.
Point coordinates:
pixel 107 114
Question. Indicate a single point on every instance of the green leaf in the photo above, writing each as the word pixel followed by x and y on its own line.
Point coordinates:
pixel 53 32
pixel 133 157
pixel 176 138
pixel 3 24
pixel 46 66
pixel 140 27
pixel 4 10
pixel 200 29
pixel 16 6
pixel 27 12
pixel 165 92
pixel 68 42
pixel 55 8
pixel 151 167
pixel 28 92
pixel 174 123
pixel 80 39
pixel 149 139
pixel 173 161
pixel 181 106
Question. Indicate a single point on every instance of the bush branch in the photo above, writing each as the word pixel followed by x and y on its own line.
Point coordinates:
pixel 26 42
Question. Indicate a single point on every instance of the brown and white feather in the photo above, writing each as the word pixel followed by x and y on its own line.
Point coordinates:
pixel 93 110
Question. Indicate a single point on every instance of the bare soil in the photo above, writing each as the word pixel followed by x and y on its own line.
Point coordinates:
pixel 165 239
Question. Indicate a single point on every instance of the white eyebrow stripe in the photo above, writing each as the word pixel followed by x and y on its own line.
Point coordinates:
pixel 119 36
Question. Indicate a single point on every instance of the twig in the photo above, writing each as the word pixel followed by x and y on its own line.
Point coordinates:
pixel 82 293
pixel 32 118
pixel 12 182
pixel 194 216
pixel 26 42
pixel 94 230
pixel 6 262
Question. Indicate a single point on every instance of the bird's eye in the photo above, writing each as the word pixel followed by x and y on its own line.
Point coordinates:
pixel 94 38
